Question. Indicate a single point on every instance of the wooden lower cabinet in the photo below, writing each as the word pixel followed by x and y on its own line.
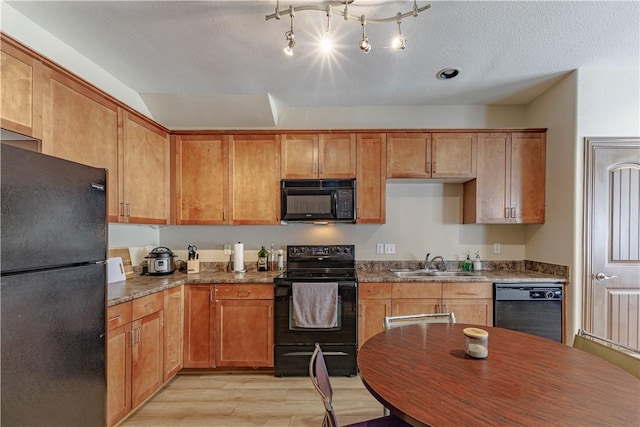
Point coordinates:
pixel 471 302
pixel 228 325
pixel 172 331
pixel 119 341
pixel 134 354
pixel 374 303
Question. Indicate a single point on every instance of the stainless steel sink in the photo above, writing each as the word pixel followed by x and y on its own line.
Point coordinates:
pixel 411 273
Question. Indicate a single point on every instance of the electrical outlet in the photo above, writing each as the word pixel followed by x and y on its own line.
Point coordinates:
pixel 389 248
pixel 497 248
pixel 379 248
pixel 227 249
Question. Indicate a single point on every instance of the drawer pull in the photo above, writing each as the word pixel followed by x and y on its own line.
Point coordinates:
pixel 243 294
pixel 113 319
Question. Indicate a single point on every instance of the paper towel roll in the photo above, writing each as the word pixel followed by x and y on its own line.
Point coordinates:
pixel 238 257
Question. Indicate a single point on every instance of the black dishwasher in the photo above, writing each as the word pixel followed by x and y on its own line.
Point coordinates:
pixel 535 308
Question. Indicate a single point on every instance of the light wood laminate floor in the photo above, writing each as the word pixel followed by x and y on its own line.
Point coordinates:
pixel 239 400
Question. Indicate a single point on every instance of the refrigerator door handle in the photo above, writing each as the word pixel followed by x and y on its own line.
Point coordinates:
pixel 98 187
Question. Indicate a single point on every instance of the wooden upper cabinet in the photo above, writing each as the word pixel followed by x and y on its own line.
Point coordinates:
pixel 337 155
pixel 254 177
pixel 146 172
pixel 453 155
pixel 437 155
pixel 299 156
pixel 20 85
pixel 370 178
pixel 510 184
pixel 528 169
pixel 201 179
pixel 311 156
pixel 408 155
pixel 82 126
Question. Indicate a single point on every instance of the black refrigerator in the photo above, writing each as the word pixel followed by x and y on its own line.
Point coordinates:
pixel 52 291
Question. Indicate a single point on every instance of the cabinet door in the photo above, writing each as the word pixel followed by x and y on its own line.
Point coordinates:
pixel 146 172
pixel 337 156
pixel 453 155
pixel 370 178
pixel 244 333
pixel 119 342
pixel 199 321
pixel 371 314
pixel 255 179
pixel 82 126
pixel 201 179
pixel 299 156
pixel 146 358
pixel 528 178
pixel 408 155
pixel 20 85
pixel 474 311
pixel 486 197
pixel 172 330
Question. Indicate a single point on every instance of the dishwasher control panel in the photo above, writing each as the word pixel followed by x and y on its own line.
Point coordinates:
pixel 524 292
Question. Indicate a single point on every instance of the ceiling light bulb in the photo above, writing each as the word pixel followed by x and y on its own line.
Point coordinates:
pixel 326 43
pixel 365 45
pixel 399 42
pixel 290 43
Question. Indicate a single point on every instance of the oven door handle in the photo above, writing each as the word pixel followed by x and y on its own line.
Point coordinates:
pixel 309 353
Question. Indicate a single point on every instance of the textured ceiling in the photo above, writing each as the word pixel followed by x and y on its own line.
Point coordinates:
pixel 225 55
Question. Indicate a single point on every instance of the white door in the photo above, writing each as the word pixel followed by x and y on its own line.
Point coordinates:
pixel 612 241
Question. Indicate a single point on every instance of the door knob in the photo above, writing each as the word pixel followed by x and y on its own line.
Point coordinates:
pixel 602 276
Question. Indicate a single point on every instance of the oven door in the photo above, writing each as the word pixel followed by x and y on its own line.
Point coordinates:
pixel 286 332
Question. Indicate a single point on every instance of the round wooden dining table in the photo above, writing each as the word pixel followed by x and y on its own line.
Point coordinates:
pixel 421 374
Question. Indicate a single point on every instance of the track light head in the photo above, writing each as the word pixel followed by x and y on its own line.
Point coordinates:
pixel 288 49
pixel 364 44
pixel 399 42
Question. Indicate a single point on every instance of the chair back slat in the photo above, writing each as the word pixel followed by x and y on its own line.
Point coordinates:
pixel 621 358
pixel 412 319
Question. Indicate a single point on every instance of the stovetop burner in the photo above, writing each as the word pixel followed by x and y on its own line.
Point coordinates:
pixel 324 263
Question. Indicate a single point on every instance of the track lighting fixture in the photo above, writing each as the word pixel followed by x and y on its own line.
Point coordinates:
pixel 288 49
pixel 364 43
pixel 399 41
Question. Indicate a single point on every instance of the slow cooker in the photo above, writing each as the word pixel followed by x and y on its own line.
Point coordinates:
pixel 160 261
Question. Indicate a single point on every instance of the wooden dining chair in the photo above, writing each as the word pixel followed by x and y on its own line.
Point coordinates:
pixel 625 357
pixel 411 319
pixel 320 379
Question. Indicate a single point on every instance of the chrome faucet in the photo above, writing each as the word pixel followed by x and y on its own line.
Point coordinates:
pixel 426 261
pixel 442 265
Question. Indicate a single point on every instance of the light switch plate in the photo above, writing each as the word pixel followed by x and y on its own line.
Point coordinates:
pixel 497 248
pixel 379 248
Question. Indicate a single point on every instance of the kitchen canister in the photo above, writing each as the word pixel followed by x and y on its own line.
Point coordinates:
pixel 476 343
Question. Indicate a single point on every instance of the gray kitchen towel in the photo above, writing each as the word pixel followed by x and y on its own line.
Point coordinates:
pixel 315 305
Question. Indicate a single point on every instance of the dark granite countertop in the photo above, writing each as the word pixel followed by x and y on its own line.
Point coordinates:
pixel 140 286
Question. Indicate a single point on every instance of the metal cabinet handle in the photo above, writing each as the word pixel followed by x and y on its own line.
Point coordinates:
pixel 130 338
pixel 211 297
pixel 121 209
pixel 601 276
pixel 506 212
pixel 433 168
pixel 513 212
pixel 138 335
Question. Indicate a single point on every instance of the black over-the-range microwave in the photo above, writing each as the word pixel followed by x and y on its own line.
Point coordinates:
pixel 318 200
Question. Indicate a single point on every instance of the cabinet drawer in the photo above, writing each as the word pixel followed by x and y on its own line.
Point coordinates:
pixel 148 305
pixel 374 290
pixel 417 290
pixel 467 290
pixel 253 291
pixel 118 315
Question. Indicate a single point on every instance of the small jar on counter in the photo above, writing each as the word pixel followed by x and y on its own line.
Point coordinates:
pixel 476 343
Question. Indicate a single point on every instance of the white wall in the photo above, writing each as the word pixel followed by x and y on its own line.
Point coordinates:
pixel 587 103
